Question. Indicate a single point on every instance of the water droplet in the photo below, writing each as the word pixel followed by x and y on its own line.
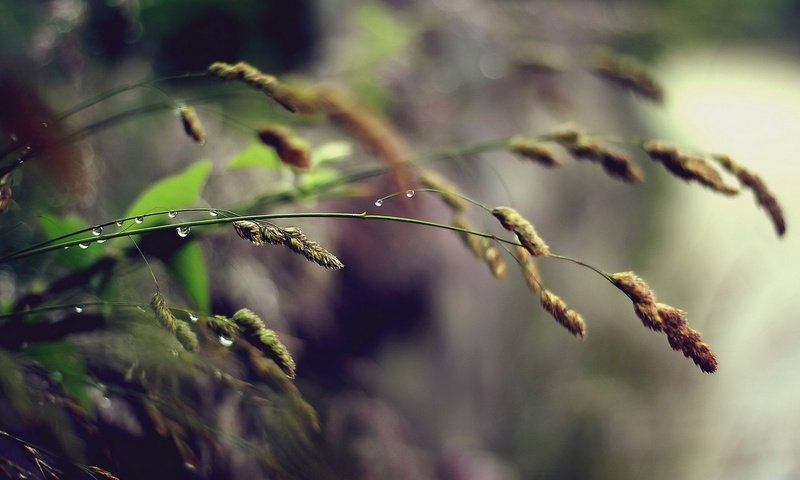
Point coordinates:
pixel 119 223
pixel 78 308
pixel 83 245
pixel 193 318
pixel 225 341
pixel 139 219
pixel 172 214
pixel 140 308
pixel 183 231
pixel 379 202
pixel 213 213
pixel 66 247
pixel 409 193
pixel 102 241
pixel 190 466
pixel 97 230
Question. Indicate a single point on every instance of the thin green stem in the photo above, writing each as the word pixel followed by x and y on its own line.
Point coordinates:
pixel 583 264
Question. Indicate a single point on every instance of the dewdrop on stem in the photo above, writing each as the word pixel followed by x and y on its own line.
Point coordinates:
pixel 193 318
pixel 78 308
pixel 183 232
pixel 409 193
pixel 139 220
pixel 97 230
pixel 172 214
pixel 213 213
pixel 225 341
pixel 83 245
pixel 379 202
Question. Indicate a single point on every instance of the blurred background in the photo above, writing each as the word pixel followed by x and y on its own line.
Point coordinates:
pixel 419 363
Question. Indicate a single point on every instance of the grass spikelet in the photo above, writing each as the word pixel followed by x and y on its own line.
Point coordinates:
pixel 513 221
pixel 180 329
pixel 629 74
pixel 290 149
pixel 5 192
pixel 616 164
pixel 643 298
pixel 482 248
pixel 754 182
pixel 529 269
pixel 297 241
pixel 568 318
pixel 264 339
pixel 688 167
pixel 532 150
pixel 685 339
pixel 250 231
pixel 221 326
pixel 191 124
pixel 445 188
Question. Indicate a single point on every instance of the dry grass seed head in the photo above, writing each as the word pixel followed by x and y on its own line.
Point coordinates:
pixel 532 150
pixel 297 241
pixel 250 231
pixel 482 248
pixel 568 318
pixel 754 182
pixel 266 340
pixel 628 73
pixel 191 124
pixel 291 150
pixel 642 296
pixel 616 164
pixel 684 338
pixel 529 269
pixel 688 167
pixel 514 222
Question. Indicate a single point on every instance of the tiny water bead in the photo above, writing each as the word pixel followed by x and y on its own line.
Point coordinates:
pixel 172 214
pixel 102 240
pixel 409 193
pixel 119 223
pixel 78 308
pixel 183 231
pixel 139 220
pixel 97 230
pixel 66 247
pixel 213 213
pixel 379 202
pixel 83 245
pixel 193 318
pixel 225 341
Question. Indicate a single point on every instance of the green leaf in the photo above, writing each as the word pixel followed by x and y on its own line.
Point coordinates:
pixel 331 151
pixel 65 365
pixel 319 176
pixel 75 257
pixel 256 155
pixel 188 266
pixel 178 191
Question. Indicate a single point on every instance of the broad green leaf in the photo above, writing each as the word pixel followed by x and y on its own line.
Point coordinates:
pixel 178 191
pixel 75 257
pixel 65 365
pixel 331 151
pixel 310 181
pixel 256 155
pixel 188 266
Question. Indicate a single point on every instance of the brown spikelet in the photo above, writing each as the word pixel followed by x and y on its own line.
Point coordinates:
pixel 445 188
pixel 250 231
pixel 514 222
pixel 264 339
pixel 529 269
pixel 290 149
pixel 628 73
pixel 482 247
pixel 754 182
pixel 191 124
pixel 373 133
pixel 643 298
pixel 180 329
pixel 684 338
pixel 688 167
pixel 616 164
pixel 568 318
pixel 5 192
pixel 532 150
pixel 297 241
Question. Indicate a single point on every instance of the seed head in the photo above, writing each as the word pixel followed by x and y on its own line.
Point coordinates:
pixel 568 318
pixel 445 188
pixel 682 337
pixel 514 222
pixel 191 124
pixel 290 149
pixel 529 269
pixel 266 340
pixel 481 247
pixel 643 298
pixel 532 150
pixel 629 74
pixel 180 329
pixel 688 167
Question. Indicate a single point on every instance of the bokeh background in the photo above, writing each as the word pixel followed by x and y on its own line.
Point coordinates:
pixel 420 364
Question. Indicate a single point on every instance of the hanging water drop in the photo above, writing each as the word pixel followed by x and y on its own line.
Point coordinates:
pixel 139 219
pixel 83 245
pixel 213 213
pixel 97 230
pixel 78 308
pixel 66 247
pixel 379 202
pixel 172 214
pixel 193 318
pixel 409 193
pixel 189 466
pixel 119 223
pixel 225 341
pixel 183 231
pixel 102 241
